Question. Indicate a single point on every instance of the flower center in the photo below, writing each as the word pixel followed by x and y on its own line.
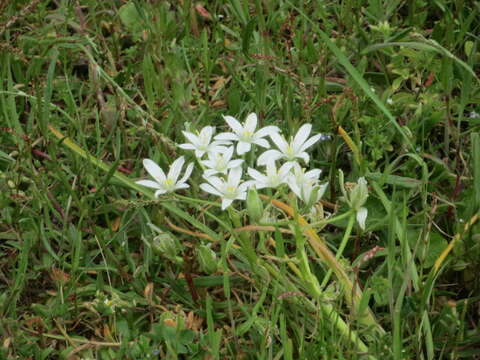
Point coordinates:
pixel 246 136
pixel 221 164
pixel 289 151
pixel 168 183
pixel 231 192
pixel 274 180
pixel 203 142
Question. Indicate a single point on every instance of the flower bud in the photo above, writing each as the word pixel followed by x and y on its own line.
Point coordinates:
pixel 313 193
pixel 165 245
pixel 207 259
pixel 254 205
pixel 359 194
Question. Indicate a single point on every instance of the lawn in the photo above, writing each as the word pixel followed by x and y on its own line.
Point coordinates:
pixel 311 188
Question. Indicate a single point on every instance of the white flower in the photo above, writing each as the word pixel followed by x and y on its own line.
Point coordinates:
pixel 169 183
pixel 293 150
pixel 220 161
pixel 273 177
pixel 305 184
pixel 362 216
pixel 389 101
pixel 228 190
pixel 201 143
pixel 245 134
pixel 356 196
pixel 474 115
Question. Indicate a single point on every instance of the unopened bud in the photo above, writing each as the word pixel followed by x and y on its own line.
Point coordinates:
pixel 359 194
pixel 207 259
pixel 165 245
pixel 313 193
pixel 254 205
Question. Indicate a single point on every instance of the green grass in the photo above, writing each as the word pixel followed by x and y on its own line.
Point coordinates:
pixel 89 89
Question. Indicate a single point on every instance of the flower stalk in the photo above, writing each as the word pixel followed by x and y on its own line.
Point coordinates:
pixel 353 293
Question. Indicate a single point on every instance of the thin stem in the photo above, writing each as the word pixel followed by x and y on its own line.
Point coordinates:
pixel 198 201
pixel 329 220
pixel 243 237
pixel 343 244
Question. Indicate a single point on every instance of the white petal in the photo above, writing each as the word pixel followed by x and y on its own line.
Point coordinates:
pixel 187 174
pixel 234 124
pixel 256 175
pixel 218 150
pixel 234 176
pixel 191 137
pixel 279 141
pixel 208 163
pixel 175 169
pixel 259 185
pixel 362 217
pixel 267 130
pixel 227 136
pixel 207 132
pixel 226 203
pixel 245 185
pixel 209 189
pixel 271 168
pixel 209 172
pixel 181 186
pixel 304 156
pixel 216 182
pixel 310 142
pixel 306 193
pixel 234 163
pixel 251 123
pixel 301 137
pixel 292 162
pixel 187 146
pixel 292 184
pixel 269 155
pixel 215 144
pixel 321 191
pixel 313 174
pixel 243 147
pixel 242 196
pixel 262 142
pixel 227 155
pixel 149 183
pixel 160 192
pixel 199 153
pixel 154 170
pixel 284 170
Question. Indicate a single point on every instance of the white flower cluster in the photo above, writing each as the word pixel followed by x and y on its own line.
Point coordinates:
pixel 223 174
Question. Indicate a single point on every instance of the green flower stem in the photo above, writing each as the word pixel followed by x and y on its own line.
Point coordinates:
pixel 329 220
pixel 197 201
pixel 242 237
pixel 343 244
pixel 327 310
pixel 352 293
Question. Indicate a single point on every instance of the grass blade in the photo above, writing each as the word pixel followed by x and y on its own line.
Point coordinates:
pixel 131 184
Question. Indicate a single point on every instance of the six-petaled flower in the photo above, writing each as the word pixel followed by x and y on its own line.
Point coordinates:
pixel 166 183
pixel 228 190
pixel 202 142
pixel 245 134
pixel 290 151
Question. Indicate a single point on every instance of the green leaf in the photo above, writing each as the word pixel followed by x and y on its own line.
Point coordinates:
pixel 426 45
pixel 354 73
pixel 131 18
pixel 131 184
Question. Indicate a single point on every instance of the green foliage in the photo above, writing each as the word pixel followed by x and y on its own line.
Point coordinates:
pixel 92 266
